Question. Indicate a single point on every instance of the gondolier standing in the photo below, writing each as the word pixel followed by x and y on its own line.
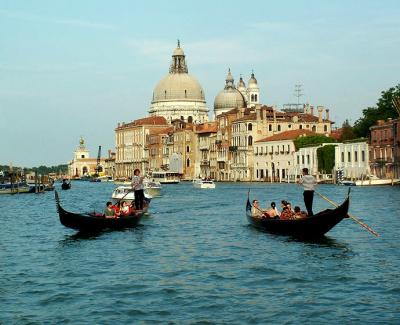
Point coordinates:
pixel 308 182
pixel 137 185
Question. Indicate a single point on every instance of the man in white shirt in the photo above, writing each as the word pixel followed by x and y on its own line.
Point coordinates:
pixel 309 183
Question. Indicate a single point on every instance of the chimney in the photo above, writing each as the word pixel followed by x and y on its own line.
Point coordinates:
pixel 109 153
pixel 320 110
pixel 327 114
pixel 312 110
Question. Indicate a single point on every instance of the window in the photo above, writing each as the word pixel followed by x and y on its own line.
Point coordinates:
pixel 355 156
pixel 187 149
pixel 289 126
pixel 190 118
pixel 250 127
pixel 252 98
pixel 188 162
pixel 250 142
pixel 298 160
pixel 302 159
pixel 279 127
pixel 342 157
pixel 270 127
pixel 349 156
pixel 308 159
pixel 363 155
pixel 325 128
pixel 314 129
pixel 301 127
pixel 185 93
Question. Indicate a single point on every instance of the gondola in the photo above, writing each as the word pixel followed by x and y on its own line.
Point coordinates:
pixel 65 185
pixel 92 222
pixel 310 227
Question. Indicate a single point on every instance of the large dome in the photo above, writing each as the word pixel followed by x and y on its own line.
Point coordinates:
pixel 228 98
pixel 178 86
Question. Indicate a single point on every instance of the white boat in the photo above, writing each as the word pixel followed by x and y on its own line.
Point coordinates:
pixel 126 193
pixel 165 177
pixel 202 183
pixel 152 188
pixel 374 180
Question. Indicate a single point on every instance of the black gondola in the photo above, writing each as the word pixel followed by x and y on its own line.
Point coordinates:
pixel 65 185
pixel 92 222
pixel 309 227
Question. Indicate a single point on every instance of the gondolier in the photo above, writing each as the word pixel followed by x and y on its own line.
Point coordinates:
pixel 308 182
pixel 137 185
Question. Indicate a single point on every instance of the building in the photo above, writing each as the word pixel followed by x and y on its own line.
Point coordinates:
pixel 179 95
pixel 352 158
pixel 131 144
pixel 275 157
pixel 206 136
pixel 82 164
pixel 384 148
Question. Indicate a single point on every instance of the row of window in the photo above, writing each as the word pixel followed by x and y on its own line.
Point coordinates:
pixel 342 158
pixel 282 148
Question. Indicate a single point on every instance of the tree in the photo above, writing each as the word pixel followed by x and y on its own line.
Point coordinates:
pixel 326 158
pixel 384 109
pixel 311 140
pixel 347 132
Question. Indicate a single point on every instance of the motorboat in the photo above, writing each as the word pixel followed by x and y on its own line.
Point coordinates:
pixel 347 183
pixel 126 193
pixel 13 188
pixel 374 180
pixel 165 177
pixel 203 183
pixel 152 188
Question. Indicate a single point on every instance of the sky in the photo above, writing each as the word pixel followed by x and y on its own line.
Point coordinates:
pixel 72 68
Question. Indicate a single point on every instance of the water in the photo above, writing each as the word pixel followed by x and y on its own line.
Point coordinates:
pixel 195 260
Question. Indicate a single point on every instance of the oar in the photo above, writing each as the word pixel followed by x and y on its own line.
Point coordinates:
pixel 362 224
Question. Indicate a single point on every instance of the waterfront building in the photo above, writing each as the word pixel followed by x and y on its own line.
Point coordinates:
pixel 109 164
pixel 352 158
pixel 384 148
pixel 179 95
pixel 82 164
pixel 206 136
pixel 131 144
pixel 159 149
pixel 275 157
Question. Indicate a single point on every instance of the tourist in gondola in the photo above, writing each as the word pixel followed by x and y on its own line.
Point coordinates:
pixel 298 214
pixel 117 208
pixel 137 185
pixel 287 212
pixel 109 211
pixel 308 182
pixel 257 212
pixel 125 209
pixel 273 211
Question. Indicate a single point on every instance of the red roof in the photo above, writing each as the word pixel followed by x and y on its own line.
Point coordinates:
pixel 161 130
pixel 288 135
pixel 152 120
pixel 210 127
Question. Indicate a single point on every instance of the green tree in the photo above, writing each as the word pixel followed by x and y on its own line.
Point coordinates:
pixel 312 140
pixel 384 109
pixel 326 158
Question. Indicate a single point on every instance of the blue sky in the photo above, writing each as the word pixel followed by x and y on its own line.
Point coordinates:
pixel 72 68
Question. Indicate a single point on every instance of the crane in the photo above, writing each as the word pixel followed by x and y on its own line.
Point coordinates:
pixel 98 168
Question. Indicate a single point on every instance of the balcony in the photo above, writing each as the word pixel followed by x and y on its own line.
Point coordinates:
pixel 204 146
pixel 233 148
pixel 218 142
pixel 204 162
pixel 221 159
pixel 239 165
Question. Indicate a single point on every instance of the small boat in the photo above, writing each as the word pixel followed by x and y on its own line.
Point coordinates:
pixel 14 188
pixel 347 183
pixel 309 227
pixel 202 183
pixel 374 180
pixel 65 185
pixel 91 222
pixel 127 194
pixel 152 189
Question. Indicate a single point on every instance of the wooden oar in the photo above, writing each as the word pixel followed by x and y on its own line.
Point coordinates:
pixel 362 224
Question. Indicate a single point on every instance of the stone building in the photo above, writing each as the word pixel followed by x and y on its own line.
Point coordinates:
pixel 206 136
pixel 131 145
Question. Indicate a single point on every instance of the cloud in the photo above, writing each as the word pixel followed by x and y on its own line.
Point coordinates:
pixel 19 15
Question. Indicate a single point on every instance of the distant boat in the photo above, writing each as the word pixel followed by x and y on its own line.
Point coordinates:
pixel 374 180
pixel 347 183
pixel 165 177
pixel 202 183
pixel 65 185
pixel 152 188
pixel 14 188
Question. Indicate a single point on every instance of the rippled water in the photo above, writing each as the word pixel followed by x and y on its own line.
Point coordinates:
pixel 195 260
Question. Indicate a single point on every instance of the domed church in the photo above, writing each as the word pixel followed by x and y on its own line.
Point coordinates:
pixel 179 95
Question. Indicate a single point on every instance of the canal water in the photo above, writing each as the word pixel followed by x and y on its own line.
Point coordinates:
pixel 195 260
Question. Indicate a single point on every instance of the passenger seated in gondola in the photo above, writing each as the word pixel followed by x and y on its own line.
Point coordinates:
pixel 298 214
pixel 109 212
pixel 273 211
pixel 125 209
pixel 257 212
pixel 287 212
pixel 117 208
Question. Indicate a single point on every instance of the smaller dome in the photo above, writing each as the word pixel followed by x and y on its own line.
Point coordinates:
pixel 178 52
pixel 241 86
pixel 228 99
pixel 252 82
